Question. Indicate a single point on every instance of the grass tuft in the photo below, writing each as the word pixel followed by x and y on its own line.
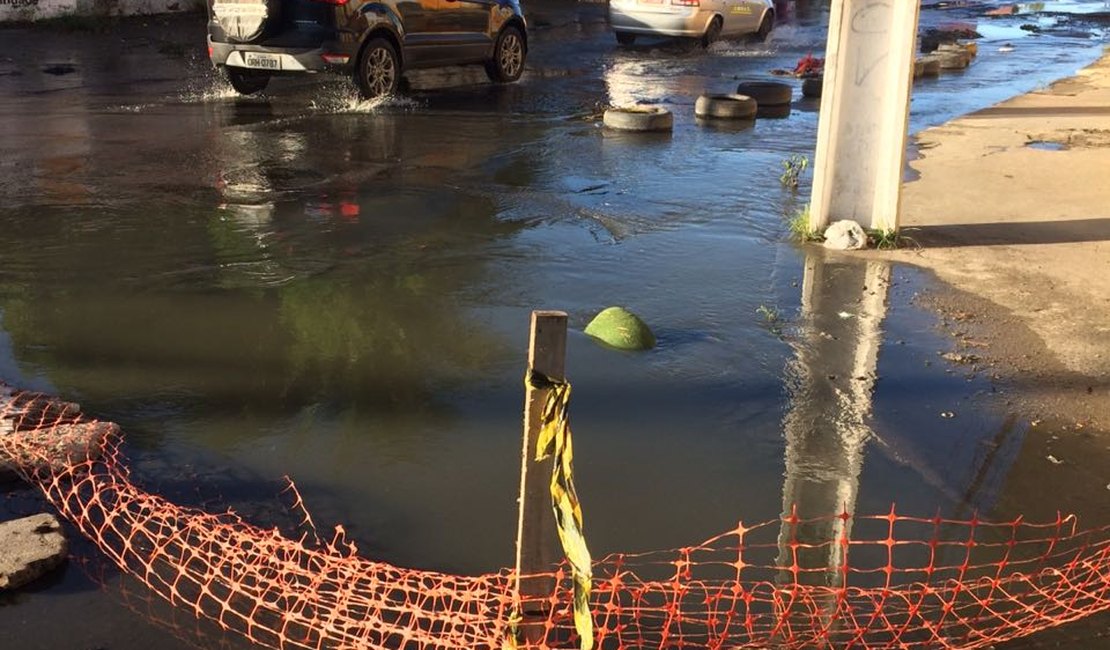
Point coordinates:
pixel 889 240
pixel 792 170
pixel 771 319
pixel 800 230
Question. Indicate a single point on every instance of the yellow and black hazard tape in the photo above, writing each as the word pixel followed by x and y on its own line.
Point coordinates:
pixel 555 440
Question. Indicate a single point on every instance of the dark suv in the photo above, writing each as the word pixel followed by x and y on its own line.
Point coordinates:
pixel 373 40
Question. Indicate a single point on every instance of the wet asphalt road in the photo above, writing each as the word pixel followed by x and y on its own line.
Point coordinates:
pixel 337 290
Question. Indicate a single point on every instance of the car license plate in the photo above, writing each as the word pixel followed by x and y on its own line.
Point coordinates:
pixel 263 61
pixel 650 2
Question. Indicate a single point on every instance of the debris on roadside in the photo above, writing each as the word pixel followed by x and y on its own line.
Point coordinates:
pixel 845 235
pixel 808 67
pixel 946 34
pixel 956 357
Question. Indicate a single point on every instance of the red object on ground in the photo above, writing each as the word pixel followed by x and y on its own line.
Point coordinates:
pixel 809 66
pixel 349 210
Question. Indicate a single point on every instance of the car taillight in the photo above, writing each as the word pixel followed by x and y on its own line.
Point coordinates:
pixel 211 50
pixel 335 59
pixel 333 2
pixel 686 3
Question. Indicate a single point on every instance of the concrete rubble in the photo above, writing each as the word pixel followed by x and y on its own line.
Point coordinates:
pixel 29 549
pixel 51 423
pixel 33 546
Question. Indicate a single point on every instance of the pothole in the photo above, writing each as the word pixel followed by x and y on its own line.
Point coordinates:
pixel 1046 145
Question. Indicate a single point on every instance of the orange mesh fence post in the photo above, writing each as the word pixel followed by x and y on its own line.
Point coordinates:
pixel 897 581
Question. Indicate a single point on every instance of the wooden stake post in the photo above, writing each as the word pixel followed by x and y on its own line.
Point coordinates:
pixel 537 539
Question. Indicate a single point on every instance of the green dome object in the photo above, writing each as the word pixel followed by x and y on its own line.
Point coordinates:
pixel 620 328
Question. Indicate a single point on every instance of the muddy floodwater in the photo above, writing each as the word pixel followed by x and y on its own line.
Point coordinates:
pixel 337 291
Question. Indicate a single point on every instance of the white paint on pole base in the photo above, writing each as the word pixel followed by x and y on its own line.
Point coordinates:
pixel 861 134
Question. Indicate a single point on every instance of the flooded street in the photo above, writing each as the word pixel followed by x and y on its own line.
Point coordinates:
pixel 306 285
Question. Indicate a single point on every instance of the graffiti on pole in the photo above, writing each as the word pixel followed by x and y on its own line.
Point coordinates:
pixel 28 10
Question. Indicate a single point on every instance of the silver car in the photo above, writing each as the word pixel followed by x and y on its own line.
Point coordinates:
pixel 707 20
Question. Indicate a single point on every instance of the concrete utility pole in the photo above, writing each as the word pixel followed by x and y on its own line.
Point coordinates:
pixel 861 134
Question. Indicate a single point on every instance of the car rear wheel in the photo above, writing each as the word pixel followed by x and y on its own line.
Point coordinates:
pixel 379 69
pixel 508 56
pixel 712 33
pixel 765 27
pixel 247 82
pixel 625 38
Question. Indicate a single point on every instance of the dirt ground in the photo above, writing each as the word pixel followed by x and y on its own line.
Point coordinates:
pixel 1012 211
pixel 1019 235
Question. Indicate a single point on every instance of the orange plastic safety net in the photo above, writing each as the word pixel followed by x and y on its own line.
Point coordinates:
pixel 841 581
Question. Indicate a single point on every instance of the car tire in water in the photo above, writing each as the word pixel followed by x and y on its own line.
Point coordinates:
pixel 765 27
pixel 767 93
pixel 378 72
pixel 508 56
pixel 712 33
pixel 625 38
pixel 246 82
pixel 725 107
pixel 638 118
pixel 811 87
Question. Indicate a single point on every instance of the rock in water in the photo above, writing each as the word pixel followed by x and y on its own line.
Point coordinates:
pixel 32 546
pixel 620 328
pixel 846 235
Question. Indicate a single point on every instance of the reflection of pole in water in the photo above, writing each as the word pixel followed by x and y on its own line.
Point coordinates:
pixel 830 383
